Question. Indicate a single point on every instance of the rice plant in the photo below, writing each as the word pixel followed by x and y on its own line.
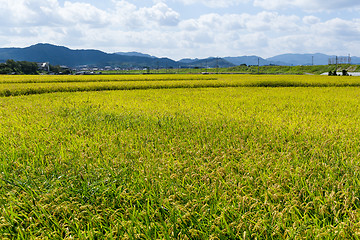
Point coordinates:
pixel 248 162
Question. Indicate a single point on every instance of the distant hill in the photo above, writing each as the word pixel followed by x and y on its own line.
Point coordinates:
pixel 287 60
pixel 210 63
pixel 188 60
pixel 301 59
pixel 307 59
pixel 251 60
pixel 134 54
pixel 59 55
pixel 355 60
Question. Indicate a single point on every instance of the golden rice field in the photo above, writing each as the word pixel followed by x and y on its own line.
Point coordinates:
pixel 27 85
pixel 179 157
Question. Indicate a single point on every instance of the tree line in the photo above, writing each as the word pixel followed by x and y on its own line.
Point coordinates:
pixel 20 67
pixel 28 68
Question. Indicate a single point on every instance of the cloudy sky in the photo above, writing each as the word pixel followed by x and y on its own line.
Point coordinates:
pixel 186 28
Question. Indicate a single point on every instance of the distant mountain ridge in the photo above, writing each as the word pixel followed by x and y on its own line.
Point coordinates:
pixel 189 60
pixel 135 54
pixel 288 59
pixel 60 55
pixel 250 60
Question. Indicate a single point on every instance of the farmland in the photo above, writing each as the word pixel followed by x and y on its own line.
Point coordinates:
pixel 27 85
pixel 179 157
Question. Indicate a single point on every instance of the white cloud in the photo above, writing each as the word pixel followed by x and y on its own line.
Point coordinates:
pixel 22 12
pixel 126 16
pixel 161 14
pixel 264 21
pixel 271 21
pixel 336 36
pixel 270 33
pixel 338 28
pixel 311 20
pixel 309 5
pixel 159 28
pixel 216 3
pixel 236 33
pixel 272 4
pixel 130 16
pixel 83 13
pixel 49 12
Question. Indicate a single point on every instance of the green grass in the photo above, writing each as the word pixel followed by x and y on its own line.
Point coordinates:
pixel 297 70
pixel 205 163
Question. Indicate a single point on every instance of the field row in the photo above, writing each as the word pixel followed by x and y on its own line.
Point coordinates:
pixel 4 79
pixel 101 83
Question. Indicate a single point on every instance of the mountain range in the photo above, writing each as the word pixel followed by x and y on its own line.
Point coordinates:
pixel 60 55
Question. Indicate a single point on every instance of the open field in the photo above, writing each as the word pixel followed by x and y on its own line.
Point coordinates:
pixel 299 70
pixel 206 157
pixel 27 85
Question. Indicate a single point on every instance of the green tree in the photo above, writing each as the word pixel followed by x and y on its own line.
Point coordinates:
pixel 28 67
pixel 14 66
pixel 4 69
pixel 59 70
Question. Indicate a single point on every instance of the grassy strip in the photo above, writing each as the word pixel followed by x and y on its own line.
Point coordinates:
pixel 254 69
pixel 317 69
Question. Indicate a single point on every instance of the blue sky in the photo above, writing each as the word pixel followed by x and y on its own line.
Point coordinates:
pixel 186 28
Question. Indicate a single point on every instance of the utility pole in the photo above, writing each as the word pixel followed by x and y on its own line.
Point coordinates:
pixel 336 65
pixel 312 60
pixel 258 65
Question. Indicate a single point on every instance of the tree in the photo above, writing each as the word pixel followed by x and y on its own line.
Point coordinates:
pixel 28 67
pixel 14 66
pixel 55 69
pixel 59 70
pixel 4 69
pixel 22 67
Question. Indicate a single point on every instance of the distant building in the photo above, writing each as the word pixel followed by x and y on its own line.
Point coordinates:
pixel 45 66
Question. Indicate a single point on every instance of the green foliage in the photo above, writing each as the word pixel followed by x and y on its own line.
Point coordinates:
pixel 21 67
pixel 28 67
pixel 59 70
pixel 14 66
pixel 4 69
pixel 293 70
pixel 299 70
